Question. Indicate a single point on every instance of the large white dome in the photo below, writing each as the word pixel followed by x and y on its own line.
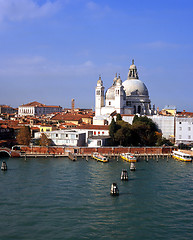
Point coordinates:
pixel 135 87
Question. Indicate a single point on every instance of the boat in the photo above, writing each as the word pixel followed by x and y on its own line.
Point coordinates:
pixel 4 166
pixel 124 175
pixel 128 157
pixel 132 166
pixel 182 156
pixel 99 157
pixel 114 189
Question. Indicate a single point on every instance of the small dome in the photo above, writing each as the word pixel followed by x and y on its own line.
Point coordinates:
pixel 110 93
pixel 99 82
pixel 135 87
pixel 133 66
pixel 119 81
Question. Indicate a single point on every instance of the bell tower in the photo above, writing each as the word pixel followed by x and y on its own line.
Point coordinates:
pixel 99 97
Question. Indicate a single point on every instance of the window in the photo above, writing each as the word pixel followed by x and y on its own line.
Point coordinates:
pixel 180 136
pixel 56 135
pixel 99 143
pixel 76 136
pixel 189 137
pixel 98 133
pixel 189 128
pixel 102 132
pixel 90 133
pixel 109 103
pixel 98 92
pixel 180 128
pixel 66 135
pixel 94 133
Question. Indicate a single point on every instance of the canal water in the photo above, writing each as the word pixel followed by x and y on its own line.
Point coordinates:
pixel 55 198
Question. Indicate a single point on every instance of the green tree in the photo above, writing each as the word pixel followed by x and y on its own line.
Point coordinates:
pixel 44 141
pixel 24 136
pixel 113 127
pixel 143 134
pixel 124 134
pixel 118 117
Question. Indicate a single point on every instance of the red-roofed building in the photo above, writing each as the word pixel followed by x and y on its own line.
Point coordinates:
pixel 5 109
pixel 74 118
pixel 36 108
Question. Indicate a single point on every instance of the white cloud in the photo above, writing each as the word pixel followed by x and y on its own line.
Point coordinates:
pixel 18 10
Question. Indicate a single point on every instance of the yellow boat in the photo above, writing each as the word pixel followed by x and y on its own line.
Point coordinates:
pixel 128 157
pixel 99 157
pixel 185 157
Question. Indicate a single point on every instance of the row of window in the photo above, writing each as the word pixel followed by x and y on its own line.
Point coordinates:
pixel 186 121
pixel 180 136
pixel 62 136
pixel 189 128
pixel 99 133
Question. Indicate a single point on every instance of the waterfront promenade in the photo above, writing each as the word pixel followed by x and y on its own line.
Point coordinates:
pixel 53 151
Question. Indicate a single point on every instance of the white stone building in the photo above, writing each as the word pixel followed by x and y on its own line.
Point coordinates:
pixel 96 135
pixel 164 123
pixel 65 137
pixel 184 130
pixel 128 97
pixel 36 108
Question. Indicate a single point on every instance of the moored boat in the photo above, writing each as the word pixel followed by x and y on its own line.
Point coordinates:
pixel 182 156
pixel 114 189
pixel 99 157
pixel 128 157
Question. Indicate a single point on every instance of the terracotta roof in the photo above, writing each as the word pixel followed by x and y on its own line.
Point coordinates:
pixel 67 117
pixel 94 127
pixel 35 128
pixel 37 104
pixel 185 114
pixel 33 104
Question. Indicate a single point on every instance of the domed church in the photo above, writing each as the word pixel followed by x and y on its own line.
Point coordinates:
pixel 128 97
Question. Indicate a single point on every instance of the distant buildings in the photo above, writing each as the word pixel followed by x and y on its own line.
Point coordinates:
pixel 5 109
pixel 37 109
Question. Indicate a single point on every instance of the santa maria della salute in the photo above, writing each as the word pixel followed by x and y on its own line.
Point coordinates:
pixel 128 97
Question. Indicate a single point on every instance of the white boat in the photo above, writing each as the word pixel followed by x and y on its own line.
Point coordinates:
pixel 128 157
pixel 182 156
pixel 99 157
pixel 132 167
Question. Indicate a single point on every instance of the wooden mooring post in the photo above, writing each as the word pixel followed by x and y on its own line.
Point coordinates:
pixel 72 156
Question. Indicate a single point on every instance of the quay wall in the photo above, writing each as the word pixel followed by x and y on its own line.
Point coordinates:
pixel 64 151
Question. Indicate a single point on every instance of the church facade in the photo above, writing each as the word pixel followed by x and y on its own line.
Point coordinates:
pixel 128 97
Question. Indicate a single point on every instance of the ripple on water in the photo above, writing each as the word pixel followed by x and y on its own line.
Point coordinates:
pixel 61 199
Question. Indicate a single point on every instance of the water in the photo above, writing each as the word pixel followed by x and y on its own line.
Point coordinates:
pixel 45 198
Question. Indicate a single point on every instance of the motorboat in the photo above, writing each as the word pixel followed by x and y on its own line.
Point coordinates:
pixel 182 156
pixel 114 189
pixel 128 157
pixel 124 175
pixel 99 157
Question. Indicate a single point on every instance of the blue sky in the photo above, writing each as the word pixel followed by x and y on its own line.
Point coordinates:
pixel 52 51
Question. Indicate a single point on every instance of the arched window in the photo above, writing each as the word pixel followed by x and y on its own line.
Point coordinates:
pixel 134 109
pixel 139 109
